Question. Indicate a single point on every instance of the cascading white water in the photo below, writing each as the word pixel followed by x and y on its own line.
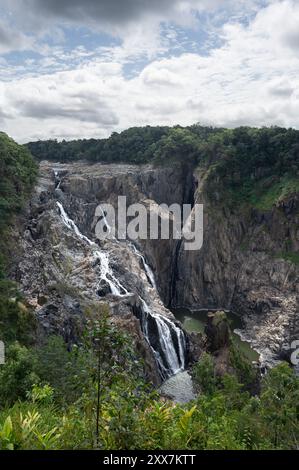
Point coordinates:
pixel 57 180
pixel 170 359
pixel 109 228
pixel 107 275
pixel 71 224
pixel 106 272
pixel 147 269
pixel 169 348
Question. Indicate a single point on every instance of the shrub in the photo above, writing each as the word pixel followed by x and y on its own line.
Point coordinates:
pixel 204 374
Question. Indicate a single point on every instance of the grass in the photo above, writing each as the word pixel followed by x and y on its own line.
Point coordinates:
pixel 263 194
pixel 267 192
pixel 291 256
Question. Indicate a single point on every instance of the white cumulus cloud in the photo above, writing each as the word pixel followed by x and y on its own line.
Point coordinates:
pixel 250 78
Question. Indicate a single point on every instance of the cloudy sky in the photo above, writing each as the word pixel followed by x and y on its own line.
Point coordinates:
pixel 86 68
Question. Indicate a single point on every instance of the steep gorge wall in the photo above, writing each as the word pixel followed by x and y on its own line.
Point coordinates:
pixel 238 267
pixel 241 267
pixel 89 185
pixel 62 272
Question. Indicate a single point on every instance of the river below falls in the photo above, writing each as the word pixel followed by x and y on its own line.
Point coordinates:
pixel 195 321
pixel 179 387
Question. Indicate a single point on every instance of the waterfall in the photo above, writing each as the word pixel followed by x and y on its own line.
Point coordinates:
pixel 107 275
pixel 109 229
pixel 148 271
pixel 57 180
pixel 71 224
pixel 106 272
pixel 166 340
pixel 168 346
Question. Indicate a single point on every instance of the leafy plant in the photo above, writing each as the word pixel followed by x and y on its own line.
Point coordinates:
pixel 41 394
pixel 6 441
pixel 204 374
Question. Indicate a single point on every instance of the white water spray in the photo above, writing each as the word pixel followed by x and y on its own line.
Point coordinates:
pixel 170 359
pixel 107 275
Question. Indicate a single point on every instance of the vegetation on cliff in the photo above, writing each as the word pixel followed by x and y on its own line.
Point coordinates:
pixel 18 172
pixel 17 175
pixel 253 166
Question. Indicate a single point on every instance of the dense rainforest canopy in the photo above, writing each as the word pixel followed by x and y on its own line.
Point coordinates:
pixel 18 172
pixel 244 147
pixel 244 161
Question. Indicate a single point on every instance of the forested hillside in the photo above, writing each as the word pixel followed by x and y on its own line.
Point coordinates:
pixel 251 165
pixel 134 145
pixel 17 176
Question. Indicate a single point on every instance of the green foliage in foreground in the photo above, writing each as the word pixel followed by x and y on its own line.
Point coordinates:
pixel 56 415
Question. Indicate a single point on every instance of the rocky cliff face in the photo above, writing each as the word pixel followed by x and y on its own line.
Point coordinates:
pixel 84 187
pixel 239 267
pixel 62 271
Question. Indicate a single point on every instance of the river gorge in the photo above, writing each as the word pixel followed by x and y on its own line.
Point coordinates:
pixel 63 269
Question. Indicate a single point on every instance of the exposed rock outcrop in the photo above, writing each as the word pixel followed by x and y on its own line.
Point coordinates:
pixel 240 266
pixel 62 271
pixel 217 331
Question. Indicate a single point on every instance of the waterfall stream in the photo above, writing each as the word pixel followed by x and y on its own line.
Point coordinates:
pixel 71 224
pixel 106 272
pixel 166 340
pixel 147 269
pixel 168 346
pixel 107 275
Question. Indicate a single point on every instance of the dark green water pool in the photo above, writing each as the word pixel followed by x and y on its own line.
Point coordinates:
pixel 196 321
